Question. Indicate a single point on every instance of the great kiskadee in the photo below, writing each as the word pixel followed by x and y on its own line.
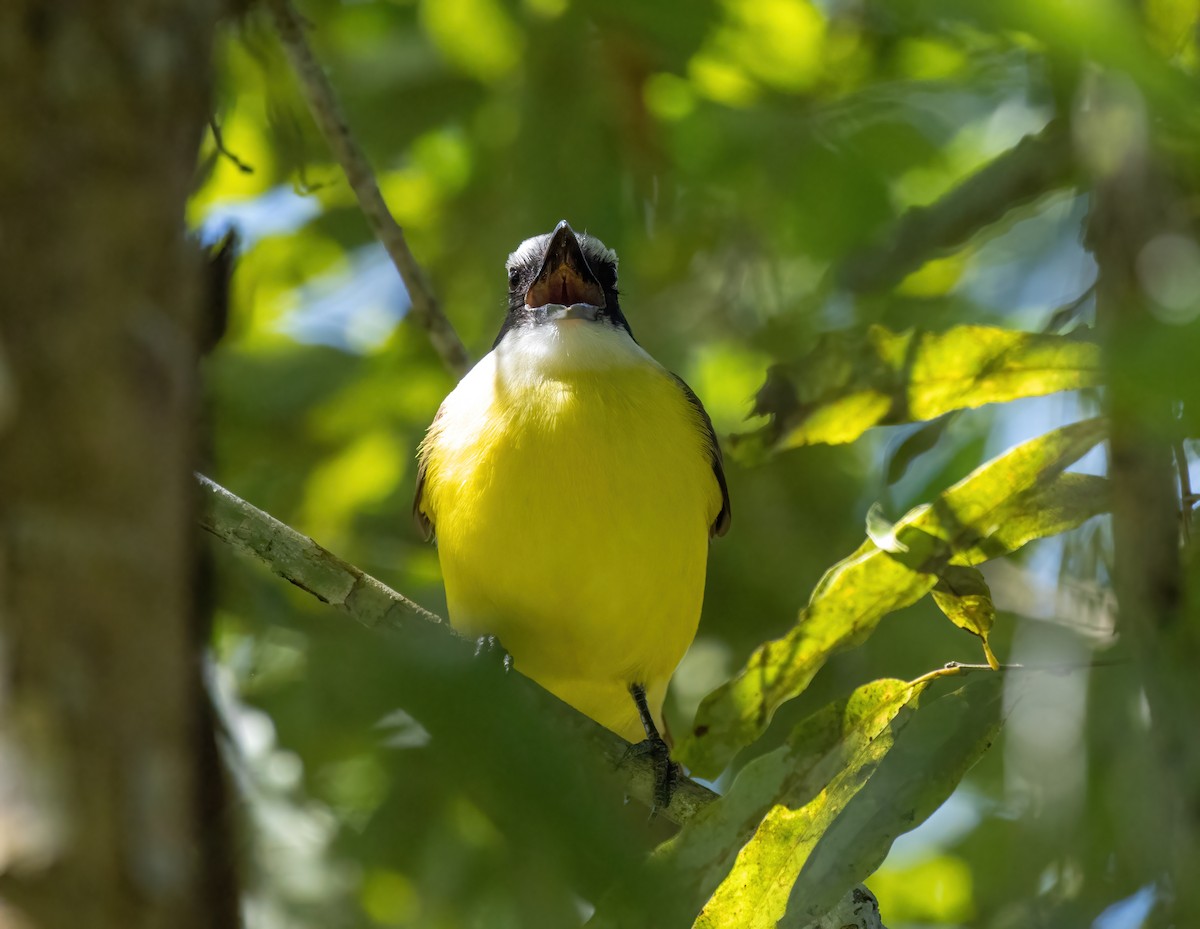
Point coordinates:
pixel 573 484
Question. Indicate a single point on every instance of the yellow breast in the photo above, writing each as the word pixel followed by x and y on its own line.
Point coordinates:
pixel 570 484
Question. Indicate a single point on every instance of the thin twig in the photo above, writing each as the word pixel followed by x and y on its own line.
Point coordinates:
pixel 1185 491
pixel 303 562
pixel 323 104
pixel 1068 311
pixel 951 668
pixel 219 143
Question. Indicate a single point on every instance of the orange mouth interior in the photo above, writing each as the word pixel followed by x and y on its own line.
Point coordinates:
pixel 565 287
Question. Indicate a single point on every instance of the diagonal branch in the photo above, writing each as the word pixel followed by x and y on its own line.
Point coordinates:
pixel 322 101
pixel 303 562
pixel 1033 167
pixel 368 601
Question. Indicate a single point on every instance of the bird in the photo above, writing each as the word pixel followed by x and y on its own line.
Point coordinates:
pixel 573 485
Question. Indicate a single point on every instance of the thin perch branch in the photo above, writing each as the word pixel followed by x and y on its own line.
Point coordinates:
pixel 370 602
pixel 300 560
pixel 322 102
pixel 303 562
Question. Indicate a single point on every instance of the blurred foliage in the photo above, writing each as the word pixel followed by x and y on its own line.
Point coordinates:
pixel 846 384
pixel 1012 500
pixel 827 204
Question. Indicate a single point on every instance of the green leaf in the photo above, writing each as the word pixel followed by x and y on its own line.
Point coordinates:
pixel 897 763
pixel 941 741
pixel 881 532
pixel 964 596
pixel 1046 509
pixel 690 866
pixel 915 445
pixel 818 747
pixel 851 382
pixel 986 514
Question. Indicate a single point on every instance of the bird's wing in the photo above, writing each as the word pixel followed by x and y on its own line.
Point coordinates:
pixel 423 519
pixel 720 525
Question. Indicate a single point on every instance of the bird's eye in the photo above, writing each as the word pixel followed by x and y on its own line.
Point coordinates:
pixel 514 278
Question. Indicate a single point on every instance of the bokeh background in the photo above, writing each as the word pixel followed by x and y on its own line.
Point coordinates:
pixel 744 157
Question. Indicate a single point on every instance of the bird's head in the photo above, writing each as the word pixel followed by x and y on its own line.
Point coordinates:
pixel 562 276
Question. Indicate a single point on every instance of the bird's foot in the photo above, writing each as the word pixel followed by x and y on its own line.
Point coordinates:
pixel 489 649
pixel 667 773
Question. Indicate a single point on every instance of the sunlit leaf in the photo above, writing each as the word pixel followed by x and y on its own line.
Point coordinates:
pixel 963 595
pixel 938 889
pixel 881 532
pixel 935 278
pixel 365 472
pixel 929 59
pixel 695 862
pixel 389 898
pixel 800 788
pixel 726 375
pixel 1046 509
pixel 816 750
pixel 777 41
pixel 941 742
pixel 1172 25
pixel 851 382
pixel 477 36
pixel 985 512
pixel 857 786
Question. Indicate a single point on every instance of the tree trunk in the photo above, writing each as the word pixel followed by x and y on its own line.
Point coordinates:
pixel 1134 200
pixel 101 734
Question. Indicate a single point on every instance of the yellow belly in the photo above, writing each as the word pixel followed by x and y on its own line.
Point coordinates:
pixel 572 520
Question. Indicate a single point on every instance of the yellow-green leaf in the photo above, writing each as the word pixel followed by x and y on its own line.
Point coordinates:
pixel 693 864
pixel 816 750
pixel 850 382
pixel 941 741
pixel 809 849
pixel 881 532
pixel 964 596
pixel 970 522
pixel 1046 509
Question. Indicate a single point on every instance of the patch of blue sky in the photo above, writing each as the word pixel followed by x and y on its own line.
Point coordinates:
pixel 354 309
pixel 1035 266
pixel 278 211
pixel 950 823
pixel 1129 913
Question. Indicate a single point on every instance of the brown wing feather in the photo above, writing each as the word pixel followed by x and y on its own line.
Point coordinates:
pixel 720 525
pixel 423 520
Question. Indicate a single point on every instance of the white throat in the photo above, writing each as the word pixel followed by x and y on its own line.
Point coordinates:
pixel 554 349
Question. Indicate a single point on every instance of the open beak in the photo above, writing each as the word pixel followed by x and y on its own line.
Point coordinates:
pixel 565 287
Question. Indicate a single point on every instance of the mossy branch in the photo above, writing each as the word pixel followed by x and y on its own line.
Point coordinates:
pixel 371 603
